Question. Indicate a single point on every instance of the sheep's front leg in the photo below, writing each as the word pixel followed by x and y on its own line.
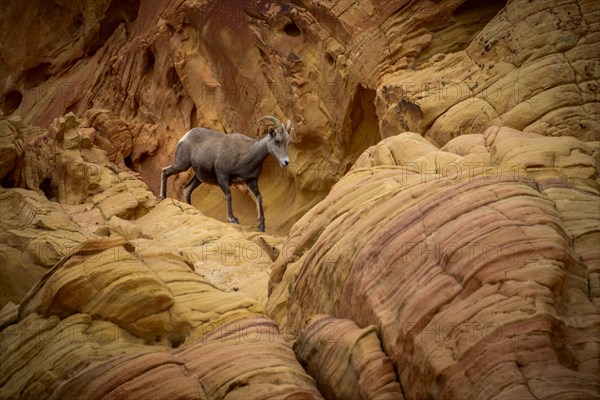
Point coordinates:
pixel 253 186
pixel 224 185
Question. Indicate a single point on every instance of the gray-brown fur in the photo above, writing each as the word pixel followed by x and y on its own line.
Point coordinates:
pixel 221 159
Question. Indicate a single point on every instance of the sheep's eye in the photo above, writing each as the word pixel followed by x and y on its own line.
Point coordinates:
pixel 278 142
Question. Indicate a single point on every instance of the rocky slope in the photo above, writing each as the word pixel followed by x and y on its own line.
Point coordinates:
pixel 477 265
pixel 436 235
pixel 346 72
pixel 138 298
pixel 476 274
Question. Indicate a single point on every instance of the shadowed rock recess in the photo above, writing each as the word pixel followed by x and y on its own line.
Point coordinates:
pixel 436 236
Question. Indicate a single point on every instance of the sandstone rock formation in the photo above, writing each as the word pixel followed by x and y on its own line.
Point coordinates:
pixel 347 361
pixel 476 264
pixel 91 199
pixel 415 249
pixel 346 72
pixel 534 67
pixel 230 257
pixel 107 295
pixel 112 322
pixel 171 304
pixel 476 275
pixel 61 164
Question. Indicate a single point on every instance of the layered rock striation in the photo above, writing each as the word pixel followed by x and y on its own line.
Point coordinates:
pixel 442 205
pixel 534 67
pixel 347 73
pixel 106 294
pixel 476 265
pixel 59 190
pixel 112 321
pixel 476 274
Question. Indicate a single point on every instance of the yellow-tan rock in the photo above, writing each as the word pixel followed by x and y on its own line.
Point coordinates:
pixel 481 277
pixel 110 296
pixel 533 68
pixel 233 258
pixel 458 260
pixel 110 322
pixel 35 234
pixel 346 73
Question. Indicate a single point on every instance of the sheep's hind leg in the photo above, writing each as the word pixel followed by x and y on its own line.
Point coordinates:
pixel 253 186
pixel 189 188
pixel 224 185
pixel 167 172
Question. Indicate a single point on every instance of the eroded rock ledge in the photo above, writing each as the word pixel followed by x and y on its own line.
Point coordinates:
pixel 464 265
pixel 110 322
pixel 470 271
pixel 347 73
pixel 476 264
pixel 110 295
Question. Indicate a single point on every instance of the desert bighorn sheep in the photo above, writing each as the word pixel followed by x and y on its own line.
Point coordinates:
pixel 223 159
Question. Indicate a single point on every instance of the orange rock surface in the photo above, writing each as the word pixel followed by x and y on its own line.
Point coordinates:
pixel 347 73
pixel 109 322
pixel 436 235
pixel 477 265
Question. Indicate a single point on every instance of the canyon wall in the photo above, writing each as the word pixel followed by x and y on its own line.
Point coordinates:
pixel 435 236
pixel 479 272
pixel 347 73
pixel 468 271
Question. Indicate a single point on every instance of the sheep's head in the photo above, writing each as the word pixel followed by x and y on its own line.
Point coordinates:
pixel 279 139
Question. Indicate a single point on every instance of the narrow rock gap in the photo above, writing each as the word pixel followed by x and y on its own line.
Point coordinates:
pixel 194 117
pixel 291 29
pixel 363 123
pixel 149 61
pixel 379 335
pixel 117 13
pixel 46 187
pixel 129 163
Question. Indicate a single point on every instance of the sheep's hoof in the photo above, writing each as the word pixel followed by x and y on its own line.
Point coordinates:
pixel 159 199
pixel 234 220
pixel 261 228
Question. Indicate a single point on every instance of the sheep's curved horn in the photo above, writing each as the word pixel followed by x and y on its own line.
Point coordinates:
pixel 274 120
pixel 288 126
